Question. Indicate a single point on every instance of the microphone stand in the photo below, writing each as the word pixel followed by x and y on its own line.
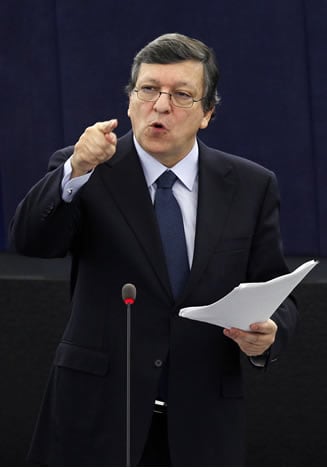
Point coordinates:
pixel 128 294
pixel 128 385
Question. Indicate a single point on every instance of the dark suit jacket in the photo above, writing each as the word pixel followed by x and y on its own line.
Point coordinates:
pixel 111 232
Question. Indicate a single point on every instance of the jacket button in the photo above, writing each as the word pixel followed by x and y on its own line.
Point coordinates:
pixel 158 362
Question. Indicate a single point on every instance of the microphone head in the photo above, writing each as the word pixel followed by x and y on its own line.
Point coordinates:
pixel 128 293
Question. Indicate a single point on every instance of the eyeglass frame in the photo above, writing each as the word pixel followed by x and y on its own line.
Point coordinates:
pixel 170 96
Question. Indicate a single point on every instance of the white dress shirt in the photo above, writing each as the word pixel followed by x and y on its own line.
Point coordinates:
pixel 185 188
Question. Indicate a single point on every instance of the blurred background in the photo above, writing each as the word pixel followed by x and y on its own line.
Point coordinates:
pixel 63 66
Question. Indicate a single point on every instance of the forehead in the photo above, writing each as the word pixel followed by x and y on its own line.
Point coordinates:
pixel 186 73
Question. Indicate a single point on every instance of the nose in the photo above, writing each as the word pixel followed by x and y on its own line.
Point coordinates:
pixel 163 103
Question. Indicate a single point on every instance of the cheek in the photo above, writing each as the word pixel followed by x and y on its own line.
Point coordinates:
pixel 195 123
pixel 135 111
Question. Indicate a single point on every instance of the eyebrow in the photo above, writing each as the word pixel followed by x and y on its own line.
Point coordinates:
pixel 179 83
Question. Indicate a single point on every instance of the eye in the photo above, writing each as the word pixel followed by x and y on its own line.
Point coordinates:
pixel 181 95
pixel 148 89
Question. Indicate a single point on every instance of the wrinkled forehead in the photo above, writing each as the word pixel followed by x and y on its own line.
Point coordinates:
pixel 189 73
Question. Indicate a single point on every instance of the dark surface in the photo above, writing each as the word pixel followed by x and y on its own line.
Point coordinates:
pixel 286 407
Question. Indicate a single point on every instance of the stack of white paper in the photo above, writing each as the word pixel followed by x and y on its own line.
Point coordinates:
pixel 249 302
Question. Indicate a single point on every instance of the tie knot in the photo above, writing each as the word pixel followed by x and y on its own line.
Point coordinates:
pixel 166 180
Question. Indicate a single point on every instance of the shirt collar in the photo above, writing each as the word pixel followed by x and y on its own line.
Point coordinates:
pixel 186 169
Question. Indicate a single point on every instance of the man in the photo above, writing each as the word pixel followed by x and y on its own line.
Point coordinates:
pixel 100 202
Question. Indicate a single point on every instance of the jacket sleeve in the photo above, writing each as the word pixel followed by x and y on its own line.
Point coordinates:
pixel 43 224
pixel 267 261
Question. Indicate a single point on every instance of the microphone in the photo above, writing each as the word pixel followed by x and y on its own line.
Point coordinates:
pixel 128 295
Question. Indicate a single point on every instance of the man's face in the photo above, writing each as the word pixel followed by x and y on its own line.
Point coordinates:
pixel 163 130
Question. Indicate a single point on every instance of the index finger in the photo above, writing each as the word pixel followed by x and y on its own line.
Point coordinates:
pixel 107 126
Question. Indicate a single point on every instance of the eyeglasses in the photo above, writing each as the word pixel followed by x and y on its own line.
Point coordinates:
pixel 177 98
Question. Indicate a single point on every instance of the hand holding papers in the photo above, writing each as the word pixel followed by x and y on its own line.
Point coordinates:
pixel 249 302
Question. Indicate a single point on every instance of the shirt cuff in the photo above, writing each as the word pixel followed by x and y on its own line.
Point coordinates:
pixel 260 361
pixel 70 186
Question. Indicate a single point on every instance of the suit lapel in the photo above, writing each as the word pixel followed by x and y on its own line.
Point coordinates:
pixel 126 183
pixel 217 183
pixel 124 179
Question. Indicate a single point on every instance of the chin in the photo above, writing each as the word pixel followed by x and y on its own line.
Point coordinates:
pixel 155 149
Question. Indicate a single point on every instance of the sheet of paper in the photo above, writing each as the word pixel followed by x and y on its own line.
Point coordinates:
pixel 249 302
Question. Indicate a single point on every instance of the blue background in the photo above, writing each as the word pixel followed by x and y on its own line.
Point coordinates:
pixel 64 65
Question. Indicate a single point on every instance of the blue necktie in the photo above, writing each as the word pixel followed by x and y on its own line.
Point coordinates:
pixel 171 228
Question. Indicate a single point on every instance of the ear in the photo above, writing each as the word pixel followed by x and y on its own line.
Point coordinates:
pixel 206 119
pixel 129 107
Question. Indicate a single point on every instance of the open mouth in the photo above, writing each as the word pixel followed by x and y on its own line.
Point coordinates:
pixel 158 125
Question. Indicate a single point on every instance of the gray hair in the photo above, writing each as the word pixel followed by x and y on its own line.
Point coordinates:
pixel 174 48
